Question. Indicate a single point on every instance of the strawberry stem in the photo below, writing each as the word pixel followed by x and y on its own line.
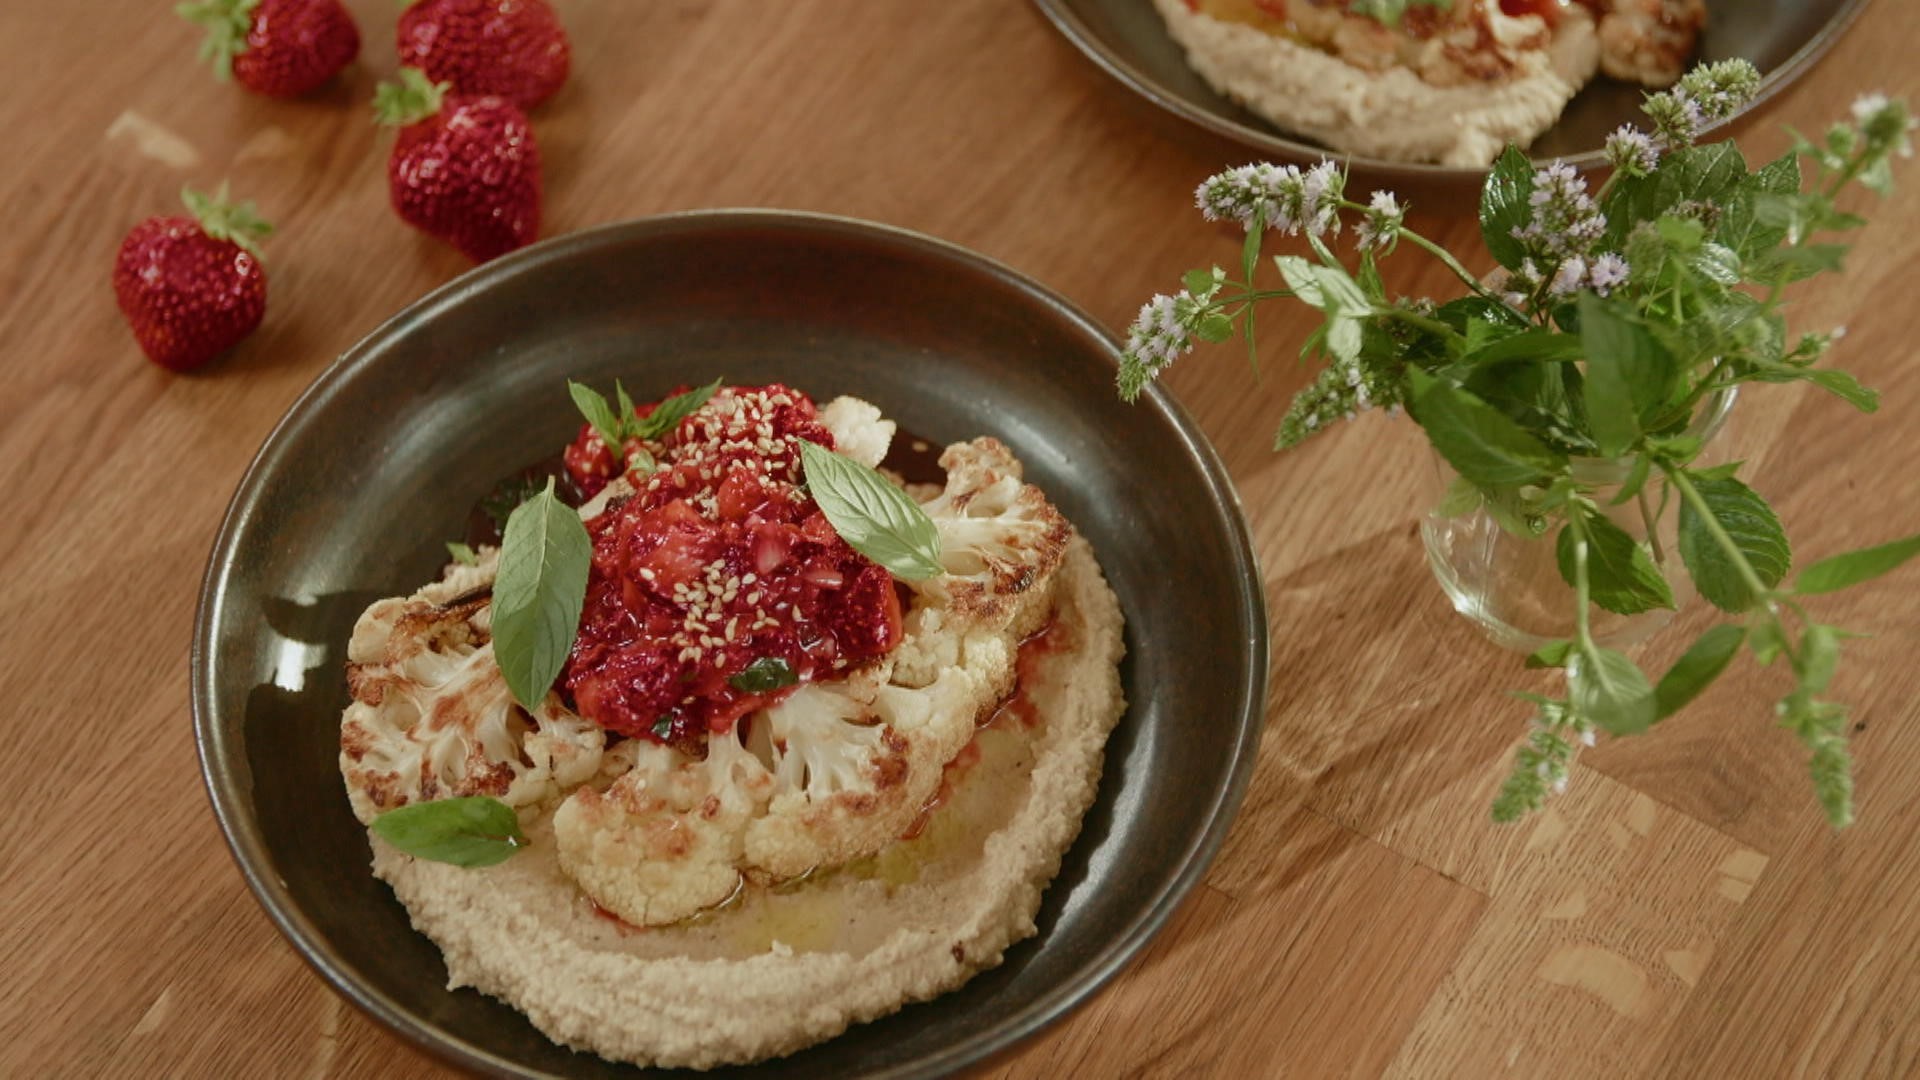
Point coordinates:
pixel 227 23
pixel 414 98
pixel 223 219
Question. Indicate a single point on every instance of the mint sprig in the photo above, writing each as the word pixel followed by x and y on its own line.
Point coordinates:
pixel 1616 320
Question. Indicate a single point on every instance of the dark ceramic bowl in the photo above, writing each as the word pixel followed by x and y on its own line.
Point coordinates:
pixel 380 460
pixel 1129 42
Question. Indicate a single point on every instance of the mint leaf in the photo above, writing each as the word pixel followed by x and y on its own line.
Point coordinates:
pixel 462 554
pixel 476 831
pixel 544 558
pixel 1504 206
pixel 670 412
pixel 1197 282
pixel 1702 663
pixel 1621 577
pixel 1213 328
pixel 1740 227
pixel 1853 567
pixel 871 515
pixel 1750 523
pixel 763 676
pixel 1552 654
pixel 1480 442
pixel 599 414
pixel 1629 374
pixel 1610 690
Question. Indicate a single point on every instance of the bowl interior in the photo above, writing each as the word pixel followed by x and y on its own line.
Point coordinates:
pixel 1127 38
pixel 378 464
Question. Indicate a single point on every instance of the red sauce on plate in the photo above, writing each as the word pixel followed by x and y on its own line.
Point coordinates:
pixel 720 559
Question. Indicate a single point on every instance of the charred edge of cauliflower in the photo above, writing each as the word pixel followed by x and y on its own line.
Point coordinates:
pixel 664 840
pixel 432 716
pixel 999 538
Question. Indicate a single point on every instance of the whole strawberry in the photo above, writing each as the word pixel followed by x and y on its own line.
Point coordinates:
pixel 192 287
pixel 464 169
pixel 511 48
pixel 281 48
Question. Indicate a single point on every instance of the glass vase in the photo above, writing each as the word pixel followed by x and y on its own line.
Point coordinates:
pixel 1510 586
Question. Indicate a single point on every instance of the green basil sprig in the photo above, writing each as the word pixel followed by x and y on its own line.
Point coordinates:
pixel 471 832
pixel 874 517
pixel 537 597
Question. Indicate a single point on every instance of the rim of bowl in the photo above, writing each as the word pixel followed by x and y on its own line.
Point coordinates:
pixel 230 798
pixel 1096 49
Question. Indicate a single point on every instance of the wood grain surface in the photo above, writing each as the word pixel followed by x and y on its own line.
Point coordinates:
pixel 1682 911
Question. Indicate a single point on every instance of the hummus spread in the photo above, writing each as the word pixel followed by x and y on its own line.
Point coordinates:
pixel 1449 85
pixel 780 968
pixel 722 868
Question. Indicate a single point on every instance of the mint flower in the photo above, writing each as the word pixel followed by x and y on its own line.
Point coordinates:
pixel 1608 272
pixel 1380 229
pixel 1160 334
pixel 1706 95
pixel 1885 124
pixel 1566 221
pixel 1281 196
pixel 1341 391
pixel 1632 151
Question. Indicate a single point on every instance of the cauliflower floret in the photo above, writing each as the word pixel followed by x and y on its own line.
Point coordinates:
pixel 857 761
pixel 664 841
pixel 858 429
pixel 432 717
pixel 1000 542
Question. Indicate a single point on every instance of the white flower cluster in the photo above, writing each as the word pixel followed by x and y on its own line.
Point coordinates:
pixel 1278 196
pixel 1560 236
pixel 1379 230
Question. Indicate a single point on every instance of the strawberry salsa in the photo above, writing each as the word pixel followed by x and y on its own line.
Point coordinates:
pixel 719 583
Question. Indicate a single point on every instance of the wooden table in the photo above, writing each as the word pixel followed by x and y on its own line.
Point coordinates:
pixel 1683 910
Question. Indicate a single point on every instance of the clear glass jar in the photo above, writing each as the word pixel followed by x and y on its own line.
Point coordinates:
pixel 1510 585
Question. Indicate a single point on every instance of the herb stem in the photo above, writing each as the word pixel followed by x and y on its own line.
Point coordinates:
pixel 1582 620
pixel 1446 258
pixel 1652 522
pixel 1414 318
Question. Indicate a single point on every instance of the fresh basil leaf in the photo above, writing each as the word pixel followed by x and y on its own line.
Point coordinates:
pixel 472 832
pixel 1702 663
pixel 462 554
pixel 670 412
pixel 1853 567
pixel 763 676
pixel 628 418
pixel 1504 207
pixel 599 414
pixel 1479 441
pixel 1750 523
pixel 1621 576
pixel 544 558
pixel 1610 690
pixel 1628 374
pixel 1552 654
pixel 871 515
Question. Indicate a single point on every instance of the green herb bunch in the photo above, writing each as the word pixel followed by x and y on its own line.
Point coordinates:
pixel 1613 319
